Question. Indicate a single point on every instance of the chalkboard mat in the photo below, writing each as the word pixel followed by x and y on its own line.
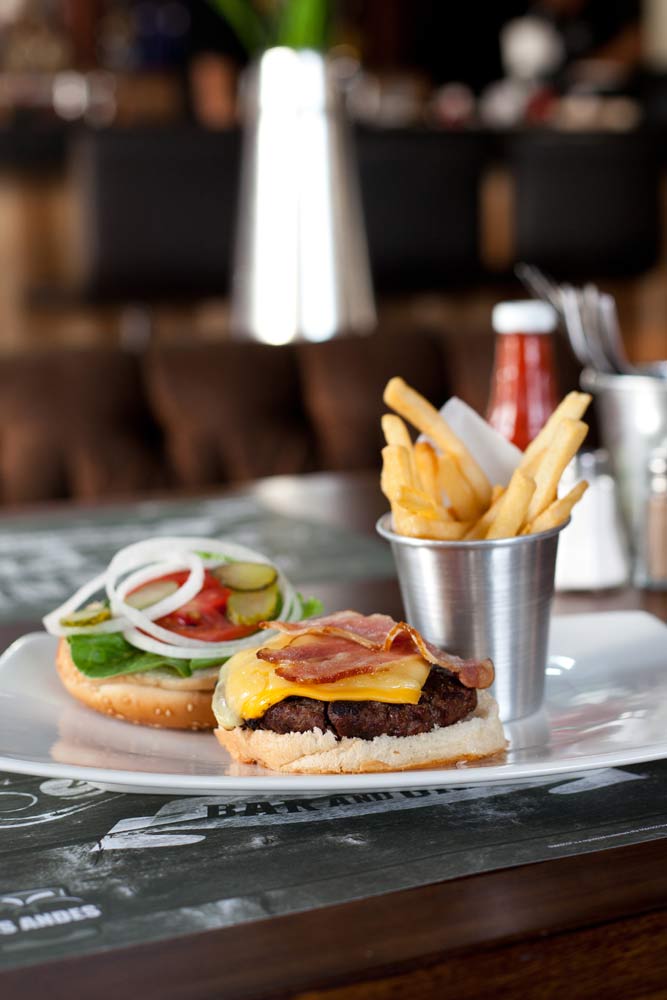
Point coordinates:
pixel 82 869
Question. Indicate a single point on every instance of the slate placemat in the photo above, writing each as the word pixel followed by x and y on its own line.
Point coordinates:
pixel 82 869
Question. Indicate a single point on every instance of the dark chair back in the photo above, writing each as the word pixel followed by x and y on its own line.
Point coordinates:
pixel 157 210
pixel 75 423
pixel 342 384
pixel 420 193
pixel 586 205
pixel 228 411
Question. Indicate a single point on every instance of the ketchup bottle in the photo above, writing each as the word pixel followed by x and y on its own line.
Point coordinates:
pixel 524 389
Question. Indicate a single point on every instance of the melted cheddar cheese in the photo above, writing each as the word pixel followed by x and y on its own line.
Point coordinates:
pixel 248 687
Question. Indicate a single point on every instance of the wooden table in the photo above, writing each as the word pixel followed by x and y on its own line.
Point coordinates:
pixel 588 926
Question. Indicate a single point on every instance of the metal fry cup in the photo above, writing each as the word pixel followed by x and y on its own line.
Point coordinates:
pixel 484 598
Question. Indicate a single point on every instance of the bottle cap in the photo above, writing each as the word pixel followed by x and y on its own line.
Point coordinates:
pixel 527 316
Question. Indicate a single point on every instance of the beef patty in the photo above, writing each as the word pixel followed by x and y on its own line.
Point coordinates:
pixel 444 700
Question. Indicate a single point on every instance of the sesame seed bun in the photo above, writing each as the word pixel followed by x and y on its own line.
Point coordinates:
pixel 150 699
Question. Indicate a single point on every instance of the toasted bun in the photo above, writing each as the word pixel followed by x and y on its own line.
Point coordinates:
pixel 315 752
pixel 158 702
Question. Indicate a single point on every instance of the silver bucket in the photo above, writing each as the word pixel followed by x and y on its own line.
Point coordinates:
pixel 484 598
pixel 301 268
pixel 632 415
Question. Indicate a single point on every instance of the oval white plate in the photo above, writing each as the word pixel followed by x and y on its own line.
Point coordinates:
pixel 606 705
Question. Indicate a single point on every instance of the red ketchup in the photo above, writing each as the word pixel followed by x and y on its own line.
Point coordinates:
pixel 524 391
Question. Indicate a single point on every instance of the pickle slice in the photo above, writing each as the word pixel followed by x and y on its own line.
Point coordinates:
pixel 151 593
pixel 251 607
pixel 246 576
pixel 92 614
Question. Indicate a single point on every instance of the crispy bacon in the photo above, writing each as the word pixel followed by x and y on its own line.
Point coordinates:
pixel 366 630
pixel 471 673
pixel 375 634
pixel 327 659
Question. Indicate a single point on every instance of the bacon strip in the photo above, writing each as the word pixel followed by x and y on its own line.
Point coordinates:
pixel 471 673
pixel 366 630
pixel 377 633
pixel 328 660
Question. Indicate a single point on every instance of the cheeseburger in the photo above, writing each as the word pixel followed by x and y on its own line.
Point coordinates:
pixel 353 693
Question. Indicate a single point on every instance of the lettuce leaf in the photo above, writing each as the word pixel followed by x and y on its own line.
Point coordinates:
pixel 108 655
pixel 311 607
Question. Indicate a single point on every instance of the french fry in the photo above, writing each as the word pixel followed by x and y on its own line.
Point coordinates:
pixel 413 407
pixel 557 512
pixel 512 506
pixel 496 493
pixel 417 526
pixel 530 466
pixel 572 407
pixel 460 494
pixel 396 473
pixel 396 433
pixel 418 502
pixel 565 444
pixel 426 466
pixel 480 527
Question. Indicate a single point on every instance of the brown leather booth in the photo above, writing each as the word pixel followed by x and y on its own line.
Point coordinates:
pixel 102 422
pixel 75 424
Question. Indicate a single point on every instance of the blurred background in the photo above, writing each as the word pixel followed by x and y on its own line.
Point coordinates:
pixel 483 135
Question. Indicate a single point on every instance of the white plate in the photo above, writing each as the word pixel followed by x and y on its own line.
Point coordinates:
pixel 606 705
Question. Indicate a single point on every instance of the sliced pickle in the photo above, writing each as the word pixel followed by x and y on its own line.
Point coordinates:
pixel 251 607
pixel 92 614
pixel 245 576
pixel 151 593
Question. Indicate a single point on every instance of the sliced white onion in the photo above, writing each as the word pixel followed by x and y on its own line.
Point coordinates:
pixel 140 553
pixel 52 620
pixel 148 560
pixel 105 627
pixel 212 650
pixel 189 589
pixel 189 647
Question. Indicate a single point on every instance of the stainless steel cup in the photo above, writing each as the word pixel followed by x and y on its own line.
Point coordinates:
pixel 484 598
pixel 632 411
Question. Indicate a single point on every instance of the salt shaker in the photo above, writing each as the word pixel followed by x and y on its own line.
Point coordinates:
pixel 655 525
pixel 592 553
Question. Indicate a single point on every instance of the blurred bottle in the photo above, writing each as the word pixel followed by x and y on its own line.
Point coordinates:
pixel 652 562
pixel 524 389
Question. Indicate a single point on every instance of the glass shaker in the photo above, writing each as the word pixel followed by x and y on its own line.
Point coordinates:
pixel 593 550
pixel 652 565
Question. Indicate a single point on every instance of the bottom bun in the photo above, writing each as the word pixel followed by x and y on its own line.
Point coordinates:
pixel 137 701
pixel 315 752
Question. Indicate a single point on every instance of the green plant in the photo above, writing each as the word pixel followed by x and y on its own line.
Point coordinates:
pixel 297 24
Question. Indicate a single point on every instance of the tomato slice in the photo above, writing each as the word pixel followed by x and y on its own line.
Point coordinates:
pixel 204 616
